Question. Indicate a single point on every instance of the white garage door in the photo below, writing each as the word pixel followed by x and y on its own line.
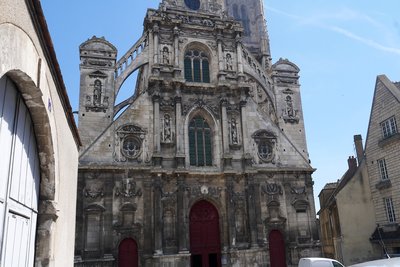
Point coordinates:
pixel 19 179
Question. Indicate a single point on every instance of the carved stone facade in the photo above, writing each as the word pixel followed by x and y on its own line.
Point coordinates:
pixel 214 135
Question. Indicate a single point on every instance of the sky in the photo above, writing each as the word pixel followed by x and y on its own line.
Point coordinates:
pixel 340 47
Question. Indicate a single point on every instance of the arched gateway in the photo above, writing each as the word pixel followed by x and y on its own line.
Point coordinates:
pixel 128 253
pixel 205 242
pixel 277 249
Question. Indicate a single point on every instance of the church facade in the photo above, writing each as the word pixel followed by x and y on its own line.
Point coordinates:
pixel 206 164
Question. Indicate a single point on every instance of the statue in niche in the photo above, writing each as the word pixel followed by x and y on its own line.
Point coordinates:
pixel 234 132
pixel 229 62
pixel 167 136
pixel 240 224
pixel 290 114
pixel 289 107
pixel 169 227
pixel 165 55
pixel 97 93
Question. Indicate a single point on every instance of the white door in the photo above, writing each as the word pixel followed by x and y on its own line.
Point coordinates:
pixel 19 179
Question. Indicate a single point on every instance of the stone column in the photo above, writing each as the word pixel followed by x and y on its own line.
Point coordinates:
pixel 182 229
pixel 239 54
pixel 156 48
pixel 156 122
pixel 225 128
pixel 176 46
pixel 147 220
pixel 243 115
pixel 252 210
pixel 151 47
pixel 179 134
pixel 158 250
pixel 220 54
pixel 230 206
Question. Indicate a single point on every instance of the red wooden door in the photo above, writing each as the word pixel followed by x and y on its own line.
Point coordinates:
pixel 205 244
pixel 277 249
pixel 128 253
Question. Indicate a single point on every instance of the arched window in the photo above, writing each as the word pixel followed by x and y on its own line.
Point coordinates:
pixel 196 67
pixel 200 142
pixel 245 21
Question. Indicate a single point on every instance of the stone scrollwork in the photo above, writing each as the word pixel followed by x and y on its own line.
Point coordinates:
pixel 266 145
pixel 94 193
pixel 201 103
pixel 204 190
pixel 271 189
pixel 128 189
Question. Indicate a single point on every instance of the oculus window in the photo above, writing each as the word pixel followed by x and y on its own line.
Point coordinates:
pixel 193 4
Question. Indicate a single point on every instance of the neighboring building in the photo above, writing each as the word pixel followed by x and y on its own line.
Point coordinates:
pixel 39 144
pixel 347 215
pixel 207 163
pixel 383 158
pixel 358 217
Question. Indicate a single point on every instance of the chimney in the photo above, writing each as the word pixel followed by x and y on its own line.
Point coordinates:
pixel 352 163
pixel 359 148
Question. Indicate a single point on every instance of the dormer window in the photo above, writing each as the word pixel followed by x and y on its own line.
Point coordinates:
pixel 196 67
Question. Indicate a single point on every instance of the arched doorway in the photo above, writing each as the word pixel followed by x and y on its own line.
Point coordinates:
pixel 19 178
pixel 277 249
pixel 128 253
pixel 205 244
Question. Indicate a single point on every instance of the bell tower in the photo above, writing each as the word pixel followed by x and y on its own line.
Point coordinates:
pixel 255 36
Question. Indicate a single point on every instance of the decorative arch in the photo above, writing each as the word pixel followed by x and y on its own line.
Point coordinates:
pixel 214 140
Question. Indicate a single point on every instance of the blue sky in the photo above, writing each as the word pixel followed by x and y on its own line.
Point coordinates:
pixel 340 47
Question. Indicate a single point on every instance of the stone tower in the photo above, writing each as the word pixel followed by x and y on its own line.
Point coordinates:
pixel 96 99
pixel 255 36
pixel 207 165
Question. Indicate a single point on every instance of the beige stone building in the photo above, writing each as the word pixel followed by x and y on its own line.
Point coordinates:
pixel 358 214
pixel 347 216
pixel 39 144
pixel 206 164
pixel 383 157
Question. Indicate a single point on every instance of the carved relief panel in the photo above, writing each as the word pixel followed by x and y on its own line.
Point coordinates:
pixel 273 194
pixel 126 196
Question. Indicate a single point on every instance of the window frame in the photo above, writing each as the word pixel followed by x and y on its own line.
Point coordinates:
pixel 196 66
pixel 200 148
pixel 383 172
pixel 389 208
pixel 389 127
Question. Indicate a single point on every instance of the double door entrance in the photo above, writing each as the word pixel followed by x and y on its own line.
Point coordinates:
pixel 205 244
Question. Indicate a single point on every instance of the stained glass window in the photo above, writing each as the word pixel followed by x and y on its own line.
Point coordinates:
pixel 196 67
pixel 200 152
